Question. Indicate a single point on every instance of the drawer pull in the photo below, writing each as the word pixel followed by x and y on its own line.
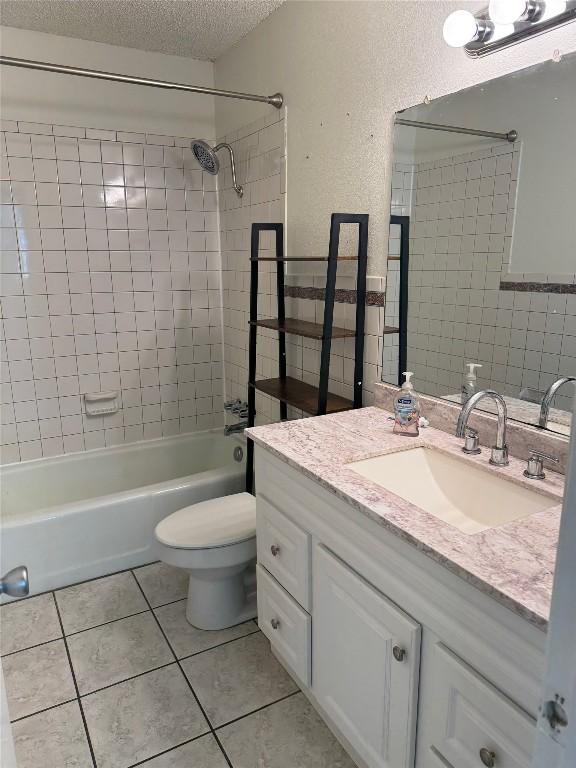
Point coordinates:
pixel 488 757
pixel 275 549
pixel 398 653
pixel 275 623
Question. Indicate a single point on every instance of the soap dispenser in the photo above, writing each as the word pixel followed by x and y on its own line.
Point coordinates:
pixel 406 409
pixel 469 384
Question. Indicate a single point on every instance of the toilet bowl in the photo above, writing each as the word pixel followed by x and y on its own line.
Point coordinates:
pixel 215 541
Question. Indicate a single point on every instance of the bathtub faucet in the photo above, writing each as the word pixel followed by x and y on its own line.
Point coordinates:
pixel 231 429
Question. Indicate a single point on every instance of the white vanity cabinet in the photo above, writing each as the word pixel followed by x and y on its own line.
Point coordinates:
pixel 366 655
pixel 410 666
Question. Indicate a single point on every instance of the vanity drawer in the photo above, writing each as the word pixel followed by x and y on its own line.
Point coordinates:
pixel 285 624
pixel 474 724
pixel 284 550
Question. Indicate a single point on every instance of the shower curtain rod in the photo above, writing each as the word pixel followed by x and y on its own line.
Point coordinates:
pixel 511 136
pixel 276 100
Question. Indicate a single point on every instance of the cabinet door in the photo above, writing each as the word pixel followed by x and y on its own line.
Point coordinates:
pixel 365 662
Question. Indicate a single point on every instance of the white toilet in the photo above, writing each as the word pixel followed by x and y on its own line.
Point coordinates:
pixel 215 541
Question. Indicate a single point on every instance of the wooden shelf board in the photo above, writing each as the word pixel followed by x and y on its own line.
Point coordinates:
pixel 390 329
pixel 303 328
pixel 300 395
pixel 393 258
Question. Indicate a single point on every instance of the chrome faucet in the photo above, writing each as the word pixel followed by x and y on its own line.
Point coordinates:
pixel 547 399
pixel 499 455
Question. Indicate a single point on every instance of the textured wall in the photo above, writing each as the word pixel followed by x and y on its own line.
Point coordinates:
pixel 45 97
pixel 345 68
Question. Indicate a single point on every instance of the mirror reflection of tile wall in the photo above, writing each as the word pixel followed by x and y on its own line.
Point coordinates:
pixel 467 300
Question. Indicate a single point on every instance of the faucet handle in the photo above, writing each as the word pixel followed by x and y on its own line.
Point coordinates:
pixel 471 441
pixel 535 466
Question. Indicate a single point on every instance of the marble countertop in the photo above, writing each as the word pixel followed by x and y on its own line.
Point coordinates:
pixel 513 563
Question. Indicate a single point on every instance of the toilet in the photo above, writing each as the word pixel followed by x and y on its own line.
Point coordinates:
pixel 215 541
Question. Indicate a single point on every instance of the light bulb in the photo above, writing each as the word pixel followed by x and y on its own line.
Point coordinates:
pixel 507 11
pixel 460 28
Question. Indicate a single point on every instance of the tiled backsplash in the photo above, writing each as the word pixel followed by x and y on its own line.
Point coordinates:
pixel 110 281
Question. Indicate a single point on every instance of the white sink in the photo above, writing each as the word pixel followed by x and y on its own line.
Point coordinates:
pixel 452 489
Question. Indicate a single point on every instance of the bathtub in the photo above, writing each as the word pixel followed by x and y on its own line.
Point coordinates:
pixel 84 515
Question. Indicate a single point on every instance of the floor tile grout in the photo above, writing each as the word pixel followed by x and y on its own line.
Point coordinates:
pixel 90 747
pixel 171 749
pixel 258 709
pixel 219 645
pixel 41 711
pixel 31 647
pixel 188 683
pixel 127 679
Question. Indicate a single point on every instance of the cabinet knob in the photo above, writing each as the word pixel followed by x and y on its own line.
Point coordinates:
pixel 275 549
pixel 398 653
pixel 488 757
pixel 275 623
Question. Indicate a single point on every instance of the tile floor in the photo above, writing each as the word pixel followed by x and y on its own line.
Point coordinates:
pixel 109 674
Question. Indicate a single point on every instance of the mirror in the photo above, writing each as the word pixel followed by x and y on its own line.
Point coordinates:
pixel 482 250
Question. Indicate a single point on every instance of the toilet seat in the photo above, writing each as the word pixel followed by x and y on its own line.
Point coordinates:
pixel 210 524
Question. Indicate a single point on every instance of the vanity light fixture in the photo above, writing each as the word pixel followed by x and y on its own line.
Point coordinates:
pixel 505 23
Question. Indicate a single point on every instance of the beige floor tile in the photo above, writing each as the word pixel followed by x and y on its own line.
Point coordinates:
pixel 95 602
pixel 28 622
pixel 162 583
pixel 139 718
pixel 37 678
pixel 202 753
pixel 284 735
pixel 237 678
pixel 117 651
pixel 186 639
pixel 52 739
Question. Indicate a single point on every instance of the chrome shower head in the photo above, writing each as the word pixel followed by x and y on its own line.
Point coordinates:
pixel 206 156
pixel 208 160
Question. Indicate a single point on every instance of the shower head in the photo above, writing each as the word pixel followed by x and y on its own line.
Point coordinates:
pixel 206 156
pixel 208 160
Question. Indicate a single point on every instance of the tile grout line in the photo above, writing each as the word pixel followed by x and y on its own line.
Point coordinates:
pixel 167 751
pixel 91 748
pixel 41 711
pixel 210 726
pixel 258 709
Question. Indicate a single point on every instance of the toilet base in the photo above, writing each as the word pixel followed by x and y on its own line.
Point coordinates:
pixel 221 597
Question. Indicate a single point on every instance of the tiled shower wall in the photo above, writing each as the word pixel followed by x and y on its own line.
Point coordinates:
pixel 260 150
pixel 260 153
pixel 110 281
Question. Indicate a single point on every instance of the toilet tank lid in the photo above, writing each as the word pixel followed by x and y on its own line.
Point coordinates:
pixel 213 523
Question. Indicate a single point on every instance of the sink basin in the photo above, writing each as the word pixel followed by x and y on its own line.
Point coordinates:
pixel 452 489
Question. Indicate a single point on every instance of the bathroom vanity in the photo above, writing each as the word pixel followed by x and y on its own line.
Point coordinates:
pixel 419 641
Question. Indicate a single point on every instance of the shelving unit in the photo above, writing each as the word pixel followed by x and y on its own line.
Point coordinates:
pixel 287 390
pixel 404 223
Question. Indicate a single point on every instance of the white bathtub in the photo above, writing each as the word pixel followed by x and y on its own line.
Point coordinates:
pixel 80 516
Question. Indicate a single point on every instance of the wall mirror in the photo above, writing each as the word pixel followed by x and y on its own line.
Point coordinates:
pixel 482 254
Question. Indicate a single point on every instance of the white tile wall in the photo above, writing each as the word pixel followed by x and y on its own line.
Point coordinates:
pixel 110 271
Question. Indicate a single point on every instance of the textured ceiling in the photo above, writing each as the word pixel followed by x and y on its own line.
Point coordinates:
pixel 201 29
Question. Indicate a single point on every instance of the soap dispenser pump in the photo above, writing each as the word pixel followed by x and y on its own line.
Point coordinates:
pixel 406 409
pixel 469 385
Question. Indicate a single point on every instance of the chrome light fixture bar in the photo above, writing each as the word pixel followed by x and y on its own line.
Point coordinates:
pixel 505 23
